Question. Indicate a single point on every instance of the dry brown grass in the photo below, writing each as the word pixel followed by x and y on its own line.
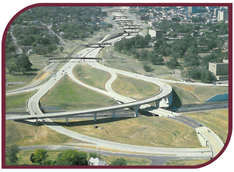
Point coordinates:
pixel 185 162
pixel 134 88
pixel 216 120
pixel 145 131
pixel 25 134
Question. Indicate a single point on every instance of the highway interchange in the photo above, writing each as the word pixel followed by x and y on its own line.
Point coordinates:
pixel 206 136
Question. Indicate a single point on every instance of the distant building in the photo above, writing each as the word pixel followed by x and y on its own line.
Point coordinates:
pixel 216 12
pixel 159 34
pixel 144 17
pixel 151 15
pixel 61 34
pixel 222 16
pixel 192 9
pixel 27 49
pixel 152 33
pixel 96 162
pixel 220 70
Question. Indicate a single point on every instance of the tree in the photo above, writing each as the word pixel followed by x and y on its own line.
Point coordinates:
pixel 207 77
pixel 19 64
pixel 39 156
pixel 11 65
pixel 61 49
pixel 45 41
pixel 191 57
pixel 11 154
pixel 119 162
pixel 143 54
pixel 50 162
pixel 51 48
pixel 23 64
pixel 172 64
pixel 72 157
pixel 147 39
pixel 157 59
pixel 147 68
pixel 41 50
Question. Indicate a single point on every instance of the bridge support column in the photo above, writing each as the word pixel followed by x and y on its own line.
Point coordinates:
pixel 66 120
pixel 157 104
pixel 113 114
pixel 95 117
pixel 136 111
pixel 36 122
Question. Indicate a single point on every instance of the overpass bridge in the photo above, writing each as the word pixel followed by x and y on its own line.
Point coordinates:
pixel 118 10
pixel 120 17
pixel 131 26
pixel 69 58
pixel 98 45
pixel 165 94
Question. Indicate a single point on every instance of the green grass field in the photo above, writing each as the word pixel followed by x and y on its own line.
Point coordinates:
pixel 134 88
pixel 70 96
pixel 91 76
pixel 216 120
pixel 17 100
pixel 144 131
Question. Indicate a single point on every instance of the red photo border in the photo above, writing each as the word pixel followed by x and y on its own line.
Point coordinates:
pixel 229 5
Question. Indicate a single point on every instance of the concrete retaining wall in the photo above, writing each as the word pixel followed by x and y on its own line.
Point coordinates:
pixel 218 97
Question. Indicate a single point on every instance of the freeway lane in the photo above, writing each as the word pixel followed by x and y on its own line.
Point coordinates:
pixel 211 139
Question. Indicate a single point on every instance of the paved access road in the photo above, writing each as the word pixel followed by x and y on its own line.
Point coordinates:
pixel 155 159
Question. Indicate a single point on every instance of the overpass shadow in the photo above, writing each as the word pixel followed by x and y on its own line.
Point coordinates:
pixel 176 102
pixel 74 122
pixel 27 122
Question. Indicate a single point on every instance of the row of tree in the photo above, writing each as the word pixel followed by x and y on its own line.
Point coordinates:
pixel 15 62
pixel 33 36
pixel 59 14
pixel 135 47
pixel 185 49
pixel 65 158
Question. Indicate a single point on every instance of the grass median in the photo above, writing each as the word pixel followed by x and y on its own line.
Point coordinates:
pixel 134 88
pixel 68 95
pixel 91 76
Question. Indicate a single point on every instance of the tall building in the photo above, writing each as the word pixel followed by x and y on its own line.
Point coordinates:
pixel 192 9
pixel 222 16
pixel 216 12
pixel 159 34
